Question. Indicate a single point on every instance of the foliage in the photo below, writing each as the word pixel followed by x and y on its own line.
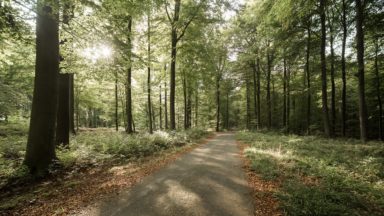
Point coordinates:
pixel 94 147
pixel 320 176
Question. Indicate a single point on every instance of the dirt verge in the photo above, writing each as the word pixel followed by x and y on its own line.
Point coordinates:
pixel 265 204
pixel 76 189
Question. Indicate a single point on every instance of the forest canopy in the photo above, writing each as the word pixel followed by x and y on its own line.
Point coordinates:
pixel 303 67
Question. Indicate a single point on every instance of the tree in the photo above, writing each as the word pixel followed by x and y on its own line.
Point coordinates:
pixel 324 94
pixel 128 89
pixel 269 102
pixel 40 151
pixel 63 113
pixel 308 74
pixel 178 32
pixel 360 62
pixel 333 85
pixel 378 90
pixel 343 70
pixel 150 116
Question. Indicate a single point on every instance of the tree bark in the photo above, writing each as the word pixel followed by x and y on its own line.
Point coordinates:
pixel 166 105
pixel 40 151
pixel 269 103
pixel 343 72
pixel 189 108
pixel 63 113
pixel 197 106
pixel 324 70
pixel 185 101
pixel 285 94
pixel 150 117
pixel 333 85
pixel 128 107
pixel 378 91
pixel 116 103
pixel 248 120
pixel 173 64
pixel 308 75
pixel 227 112
pixel 288 97
pixel 218 78
pixel 258 94
pixel 72 104
pixel 255 90
pixel 77 109
pixel 360 63
pixel 160 111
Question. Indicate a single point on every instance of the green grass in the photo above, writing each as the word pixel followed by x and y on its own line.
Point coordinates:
pixel 94 148
pixel 320 176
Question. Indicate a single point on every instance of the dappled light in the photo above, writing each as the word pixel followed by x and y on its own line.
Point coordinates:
pixel 191 107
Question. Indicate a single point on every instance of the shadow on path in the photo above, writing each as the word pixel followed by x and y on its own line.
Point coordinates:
pixel 207 181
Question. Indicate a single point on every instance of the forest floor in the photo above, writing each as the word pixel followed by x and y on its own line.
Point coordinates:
pixel 310 175
pixel 206 181
pixel 167 173
pixel 98 165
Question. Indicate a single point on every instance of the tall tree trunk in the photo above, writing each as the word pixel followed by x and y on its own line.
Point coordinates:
pixel 378 90
pixel 40 151
pixel 122 103
pixel 324 70
pixel 285 94
pixel 128 107
pixel 154 127
pixel 333 85
pixel 218 78
pixel 247 83
pixel 150 117
pixel 269 103
pixel 62 124
pixel 161 111
pixel 189 107
pixel 116 103
pixel 343 71
pixel 68 14
pixel 255 90
pixel 360 63
pixel 197 106
pixel 288 97
pixel 185 101
pixel 72 104
pixel 173 64
pixel 166 105
pixel 77 109
pixel 273 101
pixel 227 112
pixel 258 94
pixel 308 75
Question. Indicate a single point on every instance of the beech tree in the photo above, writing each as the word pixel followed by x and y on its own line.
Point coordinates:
pixel 41 139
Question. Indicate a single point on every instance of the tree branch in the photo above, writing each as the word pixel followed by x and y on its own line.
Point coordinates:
pixel 189 22
pixel 169 17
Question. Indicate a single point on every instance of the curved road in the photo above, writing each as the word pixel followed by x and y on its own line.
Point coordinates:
pixel 207 181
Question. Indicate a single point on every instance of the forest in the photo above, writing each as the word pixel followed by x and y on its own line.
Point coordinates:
pixel 106 97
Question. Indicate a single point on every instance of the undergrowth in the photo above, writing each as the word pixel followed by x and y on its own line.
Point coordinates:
pixel 320 176
pixel 93 148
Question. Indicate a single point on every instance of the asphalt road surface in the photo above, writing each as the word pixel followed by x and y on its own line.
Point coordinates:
pixel 206 181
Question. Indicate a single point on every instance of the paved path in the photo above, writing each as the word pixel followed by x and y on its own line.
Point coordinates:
pixel 207 181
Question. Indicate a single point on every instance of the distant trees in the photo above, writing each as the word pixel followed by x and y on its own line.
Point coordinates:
pixel 305 36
